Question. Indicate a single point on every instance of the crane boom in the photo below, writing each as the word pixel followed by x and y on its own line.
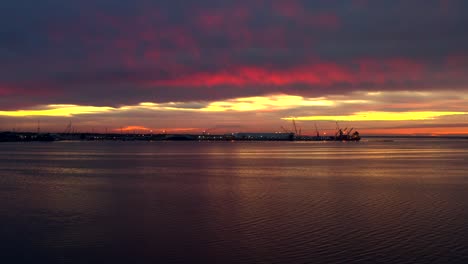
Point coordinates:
pixel 295 127
pixel 68 129
pixel 285 130
pixel 337 130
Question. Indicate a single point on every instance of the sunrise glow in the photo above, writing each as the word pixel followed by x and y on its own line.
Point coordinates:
pixel 242 66
pixel 379 116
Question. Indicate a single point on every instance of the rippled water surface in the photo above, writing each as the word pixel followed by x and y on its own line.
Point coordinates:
pixel 404 201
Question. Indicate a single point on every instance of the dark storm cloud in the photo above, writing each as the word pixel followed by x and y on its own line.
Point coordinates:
pixel 105 52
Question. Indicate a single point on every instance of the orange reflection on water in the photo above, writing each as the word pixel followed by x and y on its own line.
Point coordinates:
pixel 431 131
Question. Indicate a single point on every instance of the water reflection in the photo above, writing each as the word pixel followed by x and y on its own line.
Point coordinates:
pixel 283 202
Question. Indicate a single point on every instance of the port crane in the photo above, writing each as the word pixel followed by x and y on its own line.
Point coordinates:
pixel 68 128
pixel 294 124
pixel 285 130
pixel 296 130
pixel 337 130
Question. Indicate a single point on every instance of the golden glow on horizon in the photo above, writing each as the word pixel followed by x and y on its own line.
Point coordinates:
pixel 276 102
pixel 379 116
pixel 245 104
pixel 59 110
pixel 273 102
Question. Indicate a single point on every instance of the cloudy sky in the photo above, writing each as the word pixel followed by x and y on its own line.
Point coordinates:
pixel 383 67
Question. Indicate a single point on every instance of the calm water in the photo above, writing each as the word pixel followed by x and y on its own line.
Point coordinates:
pixel 228 202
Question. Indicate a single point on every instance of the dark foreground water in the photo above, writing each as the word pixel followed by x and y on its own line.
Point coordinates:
pixel 228 202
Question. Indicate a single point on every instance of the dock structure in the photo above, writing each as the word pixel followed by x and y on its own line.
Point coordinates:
pixel 240 136
pixel 264 136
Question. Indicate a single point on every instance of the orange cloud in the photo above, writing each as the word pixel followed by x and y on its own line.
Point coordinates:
pixel 132 128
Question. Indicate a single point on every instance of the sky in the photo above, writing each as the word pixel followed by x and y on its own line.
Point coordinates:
pixel 379 66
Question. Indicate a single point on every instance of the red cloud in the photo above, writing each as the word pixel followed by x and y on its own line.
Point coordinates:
pixel 241 76
pixel 5 90
pixel 321 74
